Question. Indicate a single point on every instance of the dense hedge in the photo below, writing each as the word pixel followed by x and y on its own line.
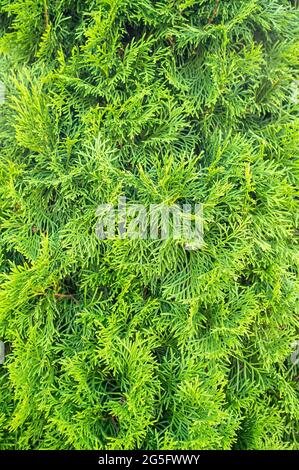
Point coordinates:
pixel 126 344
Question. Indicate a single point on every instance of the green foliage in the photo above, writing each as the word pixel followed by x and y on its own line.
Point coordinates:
pixel 126 344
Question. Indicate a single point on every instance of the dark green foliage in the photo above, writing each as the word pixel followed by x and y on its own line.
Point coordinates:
pixel 131 344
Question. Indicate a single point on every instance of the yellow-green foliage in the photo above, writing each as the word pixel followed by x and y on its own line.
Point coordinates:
pixel 128 344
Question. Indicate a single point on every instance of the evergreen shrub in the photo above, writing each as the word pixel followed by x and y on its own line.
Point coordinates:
pixel 142 344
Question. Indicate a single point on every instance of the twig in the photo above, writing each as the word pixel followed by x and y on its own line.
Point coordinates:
pixel 46 13
pixel 215 12
pixel 66 296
